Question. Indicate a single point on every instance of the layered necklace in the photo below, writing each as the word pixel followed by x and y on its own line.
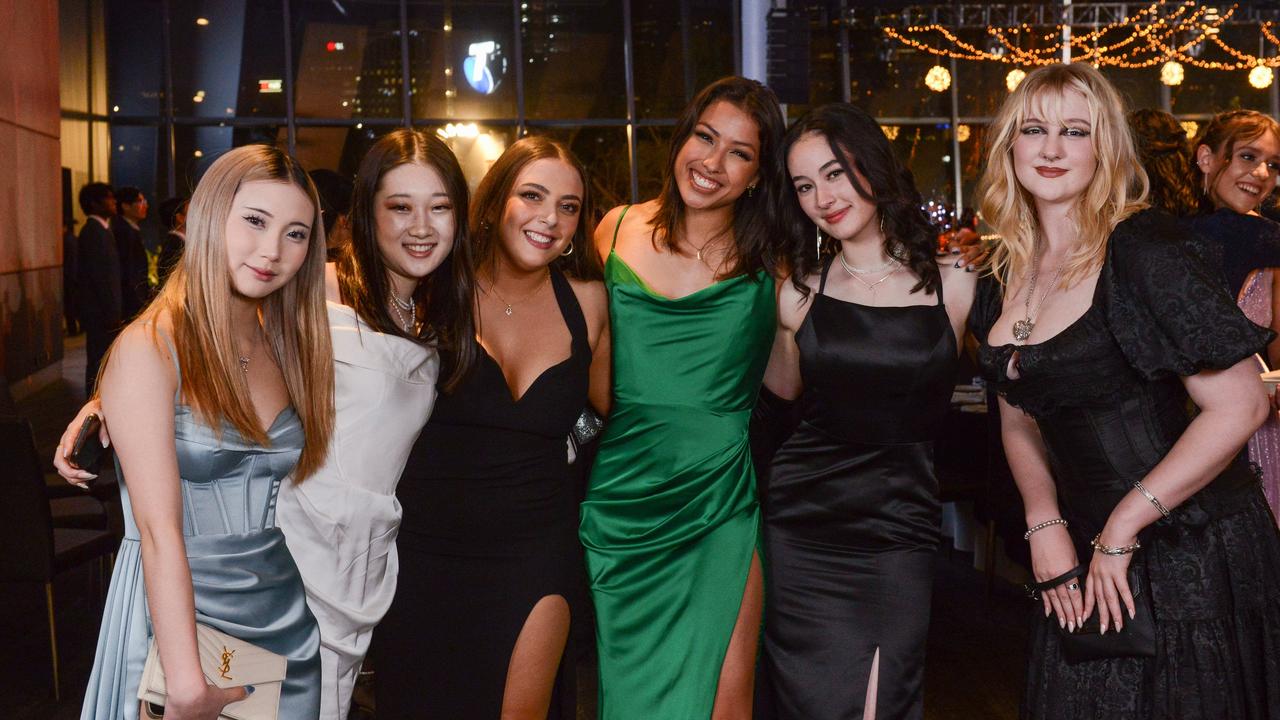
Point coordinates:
pixel 406 312
pixel 1023 328
pixel 889 269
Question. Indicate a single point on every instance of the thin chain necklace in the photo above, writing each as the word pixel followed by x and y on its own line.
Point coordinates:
pixel 1023 328
pixel 895 264
pixel 405 305
pixel 509 311
pixel 855 270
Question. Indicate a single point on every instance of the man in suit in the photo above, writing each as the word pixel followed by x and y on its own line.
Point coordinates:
pixel 173 218
pixel 97 277
pixel 135 291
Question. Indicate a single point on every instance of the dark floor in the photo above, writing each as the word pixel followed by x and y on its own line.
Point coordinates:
pixel 976 644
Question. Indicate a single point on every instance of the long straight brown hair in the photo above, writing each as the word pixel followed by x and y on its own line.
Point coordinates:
pixel 197 300
pixel 444 297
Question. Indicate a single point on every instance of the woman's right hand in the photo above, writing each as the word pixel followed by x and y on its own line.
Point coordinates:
pixel 205 703
pixel 62 454
pixel 1053 554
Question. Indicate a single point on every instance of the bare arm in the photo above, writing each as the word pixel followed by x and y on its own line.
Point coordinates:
pixel 139 384
pixel 782 374
pixel 595 304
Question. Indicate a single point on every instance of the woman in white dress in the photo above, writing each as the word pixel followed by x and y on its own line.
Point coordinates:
pixel 397 291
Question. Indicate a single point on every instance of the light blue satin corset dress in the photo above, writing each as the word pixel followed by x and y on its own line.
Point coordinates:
pixel 246 583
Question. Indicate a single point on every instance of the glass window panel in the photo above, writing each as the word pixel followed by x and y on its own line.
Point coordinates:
pixel 73 48
pixel 196 147
pixel 461 57
pixel 348 59
pixel 135 57
pixel 926 150
pixel 887 78
pixel 653 151
pixel 228 58
pixel 661 69
pixel 603 150
pixel 573 64
pixel 824 65
pixel 711 36
pixel 476 145
pixel 135 161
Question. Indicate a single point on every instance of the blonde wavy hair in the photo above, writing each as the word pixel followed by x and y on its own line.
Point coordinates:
pixel 1119 187
pixel 197 297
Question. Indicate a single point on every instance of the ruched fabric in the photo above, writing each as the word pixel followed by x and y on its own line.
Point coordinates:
pixel 671 517
pixel 244 579
pixel 1213 566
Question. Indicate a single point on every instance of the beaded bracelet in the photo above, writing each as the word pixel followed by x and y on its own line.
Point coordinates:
pixel 1043 525
pixel 1154 501
pixel 1096 544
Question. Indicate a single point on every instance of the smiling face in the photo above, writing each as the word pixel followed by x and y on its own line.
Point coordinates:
pixel 415 224
pixel 719 159
pixel 1053 154
pixel 826 193
pixel 1246 176
pixel 267 236
pixel 541 214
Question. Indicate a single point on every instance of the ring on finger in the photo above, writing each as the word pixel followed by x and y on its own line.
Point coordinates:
pixel 1073 585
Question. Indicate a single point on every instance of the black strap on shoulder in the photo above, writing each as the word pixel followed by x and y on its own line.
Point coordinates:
pixel 940 303
pixel 822 284
pixel 570 309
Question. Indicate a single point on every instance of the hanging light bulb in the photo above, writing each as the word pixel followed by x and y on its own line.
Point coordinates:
pixel 1014 78
pixel 890 131
pixel 1190 127
pixel 1261 77
pixel 1171 73
pixel 962 133
pixel 937 79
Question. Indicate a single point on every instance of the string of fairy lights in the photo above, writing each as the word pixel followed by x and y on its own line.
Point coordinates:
pixel 1164 33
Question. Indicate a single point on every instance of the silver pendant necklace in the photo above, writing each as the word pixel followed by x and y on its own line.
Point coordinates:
pixel 400 308
pixel 1023 328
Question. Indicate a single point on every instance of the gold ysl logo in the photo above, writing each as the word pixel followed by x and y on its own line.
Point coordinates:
pixel 225 667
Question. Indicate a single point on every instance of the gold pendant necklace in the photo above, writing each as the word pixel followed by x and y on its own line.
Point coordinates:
pixel 509 310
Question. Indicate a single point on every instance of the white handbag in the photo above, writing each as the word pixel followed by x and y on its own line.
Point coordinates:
pixel 226 662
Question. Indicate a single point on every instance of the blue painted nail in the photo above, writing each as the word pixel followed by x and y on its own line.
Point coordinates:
pixel 248 689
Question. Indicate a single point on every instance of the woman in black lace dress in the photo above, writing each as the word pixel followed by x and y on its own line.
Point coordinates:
pixel 1105 327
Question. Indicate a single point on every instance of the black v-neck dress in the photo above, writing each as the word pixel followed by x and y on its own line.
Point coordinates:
pixel 490 528
pixel 1107 396
pixel 851 511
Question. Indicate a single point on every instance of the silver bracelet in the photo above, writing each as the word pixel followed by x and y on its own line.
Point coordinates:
pixel 1154 501
pixel 1043 525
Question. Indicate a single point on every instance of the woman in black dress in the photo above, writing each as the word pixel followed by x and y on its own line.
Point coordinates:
pixel 489 556
pixel 868 338
pixel 1106 327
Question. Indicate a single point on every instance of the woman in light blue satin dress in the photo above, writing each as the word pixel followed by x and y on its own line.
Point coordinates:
pixel 226 382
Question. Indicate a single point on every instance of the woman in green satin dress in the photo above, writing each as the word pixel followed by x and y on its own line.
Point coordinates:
pixel 671 522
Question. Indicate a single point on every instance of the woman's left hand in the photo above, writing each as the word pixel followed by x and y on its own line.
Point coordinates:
pixel 1108 585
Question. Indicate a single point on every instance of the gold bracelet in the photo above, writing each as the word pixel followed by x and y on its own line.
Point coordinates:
pixel 1096 544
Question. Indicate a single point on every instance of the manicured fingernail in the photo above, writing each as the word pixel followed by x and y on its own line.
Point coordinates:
pixel 968 268
pixel 957 264
pixel 1103 630
pixel 1071 627
pixel 248 689
pixel 1079 621
pixel 1061 622
pixel 1132 614
pixel 83 486
pixel 1047 611
pixel 106 443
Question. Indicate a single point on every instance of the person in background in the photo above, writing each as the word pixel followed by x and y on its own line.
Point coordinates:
pixel 1165 154
pixel 335 200
pixel 1237 163
pixel 1108 328
pixel 70 312
pixel 173 218
pixel 135 291
pixel 97 277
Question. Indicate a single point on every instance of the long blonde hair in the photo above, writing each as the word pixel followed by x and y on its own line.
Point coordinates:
pixel 1119 186
pixel 197 300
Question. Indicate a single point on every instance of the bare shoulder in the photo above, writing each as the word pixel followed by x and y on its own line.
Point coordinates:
pixel 141 355
pixel 331 291
pixel 593 299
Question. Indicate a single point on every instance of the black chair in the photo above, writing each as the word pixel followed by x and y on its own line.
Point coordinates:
pixel 34 550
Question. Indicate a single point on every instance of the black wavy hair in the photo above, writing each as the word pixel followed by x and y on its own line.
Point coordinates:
pixel 859 144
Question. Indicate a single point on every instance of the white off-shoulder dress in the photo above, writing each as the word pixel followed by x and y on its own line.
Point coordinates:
pixel 341 523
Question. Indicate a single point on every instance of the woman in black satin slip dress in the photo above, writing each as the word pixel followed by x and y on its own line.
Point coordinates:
pixel 490 564
pixel 1123 328
pixel 868 338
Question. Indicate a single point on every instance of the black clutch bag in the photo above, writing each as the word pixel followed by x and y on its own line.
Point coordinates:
pixel 1136 639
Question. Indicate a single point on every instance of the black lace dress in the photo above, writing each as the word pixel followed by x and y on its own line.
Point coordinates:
pixel 1107 397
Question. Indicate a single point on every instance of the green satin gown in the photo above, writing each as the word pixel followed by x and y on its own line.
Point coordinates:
pixel 671 517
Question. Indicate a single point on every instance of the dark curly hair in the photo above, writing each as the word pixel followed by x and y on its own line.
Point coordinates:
pixel 1165 154
pixel 859 144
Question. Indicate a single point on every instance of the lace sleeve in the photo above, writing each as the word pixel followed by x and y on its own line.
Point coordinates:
pixel 1166 309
